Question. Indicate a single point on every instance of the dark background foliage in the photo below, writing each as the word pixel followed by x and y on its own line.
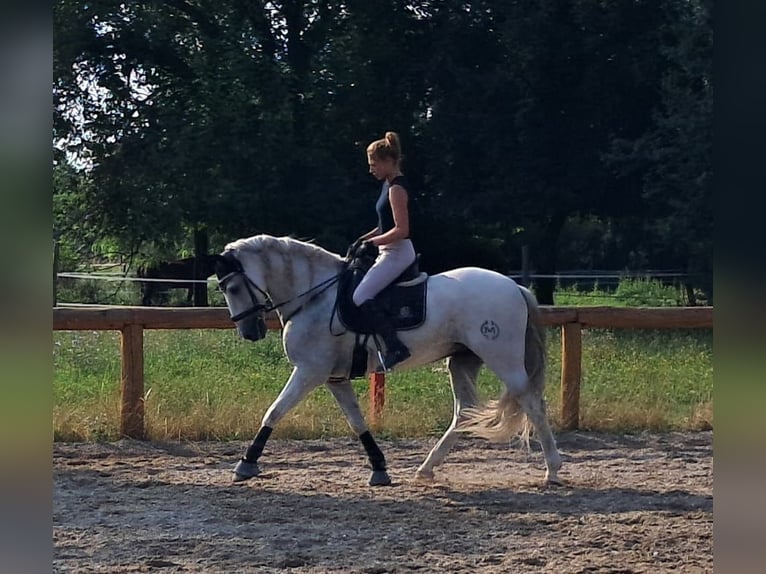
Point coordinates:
pixel 579 128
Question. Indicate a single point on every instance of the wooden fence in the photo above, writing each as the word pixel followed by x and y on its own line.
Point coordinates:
pixel 131 322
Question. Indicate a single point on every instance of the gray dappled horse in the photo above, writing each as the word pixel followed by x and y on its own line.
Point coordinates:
pixel 474 317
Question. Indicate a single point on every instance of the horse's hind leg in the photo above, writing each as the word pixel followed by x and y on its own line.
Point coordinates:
pixel 463 370
pixel 534 406
pixel 346 398
pixel 522 402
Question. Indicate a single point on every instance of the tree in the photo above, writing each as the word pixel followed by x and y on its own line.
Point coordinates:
pixel 232 117
pixel 674 157
pixel 190 118
pixel 526 99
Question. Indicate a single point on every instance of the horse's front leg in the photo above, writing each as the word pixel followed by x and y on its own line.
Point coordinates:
pixel 297 387
pixel 346 398
pixel 146 294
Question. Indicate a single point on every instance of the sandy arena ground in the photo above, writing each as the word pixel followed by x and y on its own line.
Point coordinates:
pixel 631 504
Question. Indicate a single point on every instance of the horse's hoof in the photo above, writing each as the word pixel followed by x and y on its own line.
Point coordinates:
pixel 379 478
pixel 245 470
pixel 553 481
pixel 425 475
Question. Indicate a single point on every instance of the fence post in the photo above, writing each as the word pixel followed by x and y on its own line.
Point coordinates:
pixel 377 395
pixel 132 409
pixel 525 265
pixel 199 290
pixel 571 374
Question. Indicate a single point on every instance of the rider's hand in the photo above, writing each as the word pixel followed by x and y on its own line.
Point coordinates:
pixel 367 249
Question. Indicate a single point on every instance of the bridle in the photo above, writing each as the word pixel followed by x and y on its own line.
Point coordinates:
pixel 257 306
pixel 269 305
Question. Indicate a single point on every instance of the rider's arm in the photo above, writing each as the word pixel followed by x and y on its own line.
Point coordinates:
pixel 369 234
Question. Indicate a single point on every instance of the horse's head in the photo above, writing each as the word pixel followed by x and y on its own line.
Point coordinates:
pixel 247 302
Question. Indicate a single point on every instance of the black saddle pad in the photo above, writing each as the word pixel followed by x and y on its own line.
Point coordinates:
pixel 406 305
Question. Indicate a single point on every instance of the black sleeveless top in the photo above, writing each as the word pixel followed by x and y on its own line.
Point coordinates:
pixel 383 205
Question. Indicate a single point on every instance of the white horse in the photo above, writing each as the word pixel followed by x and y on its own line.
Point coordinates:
pixel 474 317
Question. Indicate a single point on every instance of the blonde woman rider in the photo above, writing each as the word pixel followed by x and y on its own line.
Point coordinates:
pixel 391 237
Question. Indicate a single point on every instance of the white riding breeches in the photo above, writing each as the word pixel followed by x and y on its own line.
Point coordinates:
pixel 392 260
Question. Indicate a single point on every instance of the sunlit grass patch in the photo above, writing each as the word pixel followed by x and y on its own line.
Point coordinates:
pixel 212 385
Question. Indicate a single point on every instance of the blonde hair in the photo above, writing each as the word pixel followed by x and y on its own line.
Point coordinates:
pixel 388 147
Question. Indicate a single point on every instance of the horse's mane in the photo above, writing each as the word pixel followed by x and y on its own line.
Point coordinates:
pixel 284 245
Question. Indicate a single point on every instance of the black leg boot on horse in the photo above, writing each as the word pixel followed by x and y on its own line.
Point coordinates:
pixel 396 351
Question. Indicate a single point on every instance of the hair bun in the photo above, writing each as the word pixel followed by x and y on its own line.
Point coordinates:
pixel 392 139
pixel 386 147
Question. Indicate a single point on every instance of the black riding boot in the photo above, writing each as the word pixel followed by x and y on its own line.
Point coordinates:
pixel 396 351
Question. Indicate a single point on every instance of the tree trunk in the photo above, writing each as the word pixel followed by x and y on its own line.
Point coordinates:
pixel 525 265
pixel 546 253
pixel 200 256
pixel 544 287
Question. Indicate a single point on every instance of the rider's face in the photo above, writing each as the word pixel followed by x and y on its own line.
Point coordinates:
pixel 380 168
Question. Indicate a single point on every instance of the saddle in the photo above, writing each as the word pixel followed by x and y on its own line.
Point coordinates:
pixel 404 300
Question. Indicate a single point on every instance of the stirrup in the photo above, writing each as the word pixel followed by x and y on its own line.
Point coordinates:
pixel 399 356
pixel 381 361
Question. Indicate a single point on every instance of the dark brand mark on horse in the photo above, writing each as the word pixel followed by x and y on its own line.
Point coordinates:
pixel 490 330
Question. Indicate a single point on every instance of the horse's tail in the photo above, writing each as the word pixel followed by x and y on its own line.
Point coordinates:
pixel 534 343
pixel 497 421
pixel 501 420
pixel 144 270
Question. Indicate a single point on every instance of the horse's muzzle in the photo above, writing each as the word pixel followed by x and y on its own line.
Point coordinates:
pixel 252 328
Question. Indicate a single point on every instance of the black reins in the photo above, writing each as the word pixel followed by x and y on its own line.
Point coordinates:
pixel 269 305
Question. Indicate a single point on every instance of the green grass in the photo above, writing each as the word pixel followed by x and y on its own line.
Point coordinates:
pixel 657 380
pixel 630 292
pixel 212 385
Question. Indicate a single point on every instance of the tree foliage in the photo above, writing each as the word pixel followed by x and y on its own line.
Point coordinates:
pixel 520 121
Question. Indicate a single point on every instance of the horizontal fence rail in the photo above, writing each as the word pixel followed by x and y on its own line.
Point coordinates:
pixel 131 322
